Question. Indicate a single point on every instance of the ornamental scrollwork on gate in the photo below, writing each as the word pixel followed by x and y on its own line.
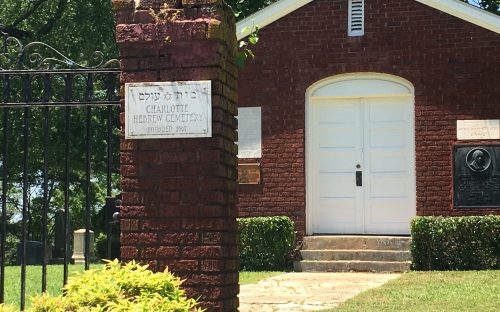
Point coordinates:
pixel 41 56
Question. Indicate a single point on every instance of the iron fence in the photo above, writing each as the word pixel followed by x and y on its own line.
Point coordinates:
pixel 59 156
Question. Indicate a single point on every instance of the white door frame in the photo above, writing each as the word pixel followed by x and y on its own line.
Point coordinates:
pixel 314 92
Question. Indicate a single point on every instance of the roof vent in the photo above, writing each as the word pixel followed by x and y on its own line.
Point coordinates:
pixel 356 18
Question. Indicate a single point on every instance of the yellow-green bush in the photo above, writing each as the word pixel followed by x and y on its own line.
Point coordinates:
pixel 5 308
pixel 131 288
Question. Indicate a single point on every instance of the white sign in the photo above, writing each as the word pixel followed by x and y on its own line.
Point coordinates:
pixel 249 132
pixel 478 129
pixel 155 110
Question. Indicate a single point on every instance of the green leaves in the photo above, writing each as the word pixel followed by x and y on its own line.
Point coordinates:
pixel 459 243
pixel 492 6
pixel 253 39
pixel 244 8
pixel 77 28
pixel 266 243
pixel 117 288
pixel 244 51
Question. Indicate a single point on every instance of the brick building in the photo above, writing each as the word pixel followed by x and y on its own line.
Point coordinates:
pixel 353 110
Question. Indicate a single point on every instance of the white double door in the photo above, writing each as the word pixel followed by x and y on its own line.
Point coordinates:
pixel 363 179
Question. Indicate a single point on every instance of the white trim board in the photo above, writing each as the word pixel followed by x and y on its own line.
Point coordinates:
pixel 456 8
pixel 466 12
pixel 268 15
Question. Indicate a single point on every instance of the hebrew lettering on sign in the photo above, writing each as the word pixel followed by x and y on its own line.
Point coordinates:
pixel 155 110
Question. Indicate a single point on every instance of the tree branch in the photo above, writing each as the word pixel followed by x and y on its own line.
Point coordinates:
pixel 28 13
pixel 14 31
pixel 45 29
pixel 18 33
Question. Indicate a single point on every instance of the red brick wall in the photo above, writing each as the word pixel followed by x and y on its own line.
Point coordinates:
pixel 179 200
pixel 454 66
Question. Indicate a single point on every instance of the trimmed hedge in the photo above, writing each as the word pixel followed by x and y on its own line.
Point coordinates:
pixel 266 243
pixel 456 243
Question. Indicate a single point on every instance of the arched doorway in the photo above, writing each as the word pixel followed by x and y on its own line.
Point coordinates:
pixel 360 155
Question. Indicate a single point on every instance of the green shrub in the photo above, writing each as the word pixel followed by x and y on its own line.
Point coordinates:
pixel 118 289
pixel 266 243
pixel 11 242
pixel 456 243
pixel 101 246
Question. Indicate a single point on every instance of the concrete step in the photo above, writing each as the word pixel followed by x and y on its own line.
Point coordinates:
pixel 360 255
pixel 350 242
pixel 348 266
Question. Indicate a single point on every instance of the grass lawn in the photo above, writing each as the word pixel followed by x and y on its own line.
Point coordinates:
pixel 55 280
pixel 254 277
pixel 432 291
pixel 34 280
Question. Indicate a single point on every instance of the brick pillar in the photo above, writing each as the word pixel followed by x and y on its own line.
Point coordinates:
pixel 179 200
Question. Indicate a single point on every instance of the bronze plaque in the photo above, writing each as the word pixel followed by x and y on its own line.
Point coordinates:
pixel 476 176
pixel 249 173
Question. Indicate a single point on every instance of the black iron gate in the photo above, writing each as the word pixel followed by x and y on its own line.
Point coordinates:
pixel 59 157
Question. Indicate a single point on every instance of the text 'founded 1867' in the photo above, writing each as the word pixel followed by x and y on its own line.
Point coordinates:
pixel 155 110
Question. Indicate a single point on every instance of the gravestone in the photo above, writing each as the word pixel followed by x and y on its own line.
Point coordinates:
pixel 476 178
pixel 59 238
pixel 34 253
pixel 79 246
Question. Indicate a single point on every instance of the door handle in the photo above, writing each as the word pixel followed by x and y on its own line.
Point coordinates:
pixel 359 178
